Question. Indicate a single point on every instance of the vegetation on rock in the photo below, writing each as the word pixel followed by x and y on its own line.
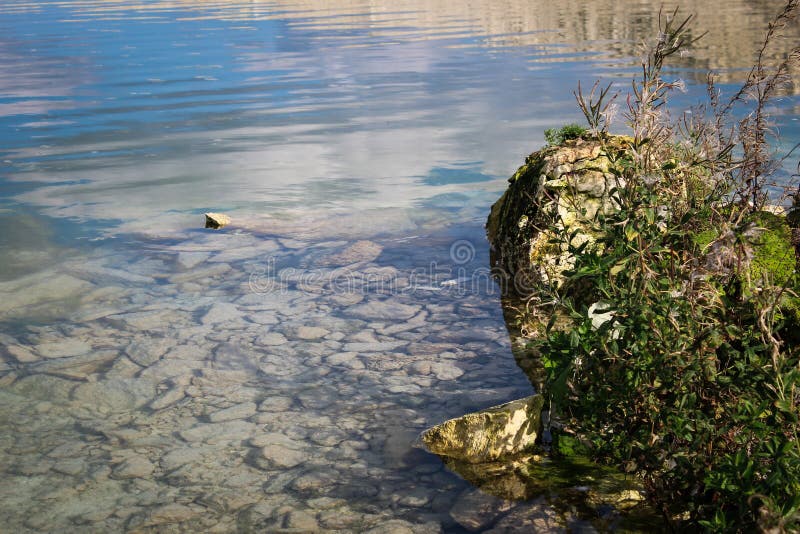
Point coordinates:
pixel 555 136
pixel 670 346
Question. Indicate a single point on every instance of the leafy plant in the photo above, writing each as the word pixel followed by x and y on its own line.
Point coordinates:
pixel 555 136
pixel 677 359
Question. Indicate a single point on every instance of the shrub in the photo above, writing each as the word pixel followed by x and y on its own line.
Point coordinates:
pixel 678 358
pixel 555 136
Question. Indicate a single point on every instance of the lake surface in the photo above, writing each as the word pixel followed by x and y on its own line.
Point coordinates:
pixel 274 375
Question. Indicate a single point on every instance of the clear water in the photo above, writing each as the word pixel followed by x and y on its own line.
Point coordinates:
pixel 274 374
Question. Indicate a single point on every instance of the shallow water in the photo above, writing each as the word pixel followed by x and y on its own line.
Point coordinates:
pixel 274 375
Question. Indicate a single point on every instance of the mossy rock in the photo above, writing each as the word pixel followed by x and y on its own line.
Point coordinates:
pixel 559 189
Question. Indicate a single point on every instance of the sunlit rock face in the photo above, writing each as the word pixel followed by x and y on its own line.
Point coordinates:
pixel 489 434
pixel 559 190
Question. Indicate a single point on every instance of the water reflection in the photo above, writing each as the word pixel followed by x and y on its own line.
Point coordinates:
pixel 176 101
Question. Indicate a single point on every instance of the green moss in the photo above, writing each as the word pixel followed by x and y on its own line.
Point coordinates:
pixel 704 238
pixel 773 252
pixel 569 446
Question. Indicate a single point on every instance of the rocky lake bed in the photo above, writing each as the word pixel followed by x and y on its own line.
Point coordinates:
pixel 237 381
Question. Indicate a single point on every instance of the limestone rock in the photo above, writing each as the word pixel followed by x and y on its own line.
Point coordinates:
pixel 301 521
pixel 78 367
pixel 217 220
pixel 168 398
pixel 383 310
pixel 489 434
pixel 147 350
pixel 271 339
pixel 21 354
pixel 395 526
pixel 134 467
pixel 475 510
pixel 276 456
pixel 221 312
pixel 63 348
pixel 570 184
pixel 170 513
pixel 537 516
pixel 358 252
pixel 237 411
pixel 310 332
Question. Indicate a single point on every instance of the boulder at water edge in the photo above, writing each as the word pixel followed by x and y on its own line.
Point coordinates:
pixel 489 434
pixel 559 190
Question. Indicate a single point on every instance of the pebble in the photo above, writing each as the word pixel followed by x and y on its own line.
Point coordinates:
pixel 228 431
pixel 238 411
pixel 133 467
pixel 79 367
pixel 185 455
pixel 189 260
pixel 168 398
pixel 475 510
pixel 115 394
pixel 22 354
pixel 416 498
pixel 275 404
pixel 537 516
pixel 147 351
pixel 310 332
pixel 301 521
pixel 63 349
pixel 44 387
pixel 342 358
pixel 395 526
pixel 383 310
pixel 315 480
pixel 271 339
pixel 169 514
pixel 327 437
pixel 221 312
pixel 383 346
pixel 278 456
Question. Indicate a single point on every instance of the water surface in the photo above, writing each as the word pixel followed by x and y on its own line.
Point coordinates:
pixel 274 374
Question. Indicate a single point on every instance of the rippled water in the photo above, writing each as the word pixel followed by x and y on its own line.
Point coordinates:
pixel 274 375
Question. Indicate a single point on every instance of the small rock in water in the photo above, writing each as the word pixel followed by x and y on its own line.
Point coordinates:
pixel 134 467
pixel 280 457
pixel 63 348
pixel 300 521
pixel 170 513
pixel 537 516
pixel 21 354
pixel 310 332
pixel 475 510
pixel 221 312
pixel 147 350
pixel 358 252
pixel 237 411
pixel 396 526
pixel 168 398
pixel 489 434
pixel 217 220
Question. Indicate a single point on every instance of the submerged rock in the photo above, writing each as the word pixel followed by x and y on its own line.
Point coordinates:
pixel 475 510
pixel 489 434
pixel 359 252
